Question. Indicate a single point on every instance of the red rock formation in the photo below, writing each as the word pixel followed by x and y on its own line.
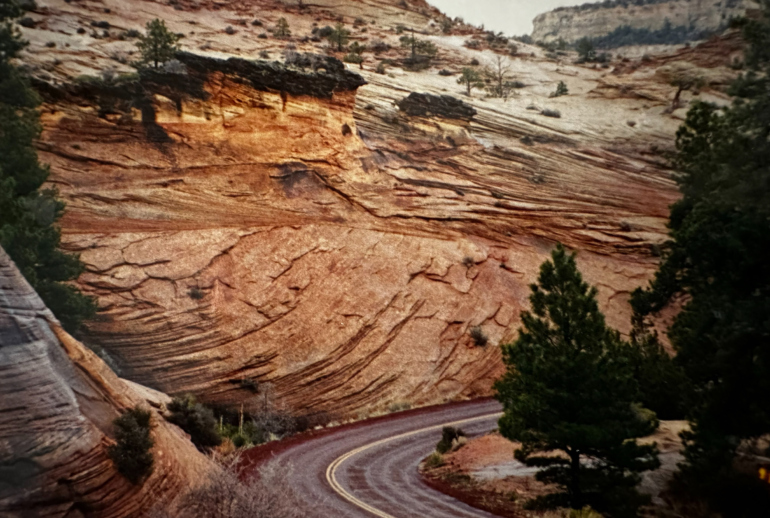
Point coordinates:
pixel 57 402
pixel 337 247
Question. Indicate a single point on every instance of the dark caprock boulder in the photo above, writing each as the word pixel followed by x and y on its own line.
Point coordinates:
pixel 418 104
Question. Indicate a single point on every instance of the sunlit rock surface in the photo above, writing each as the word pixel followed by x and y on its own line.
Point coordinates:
pixel 334 245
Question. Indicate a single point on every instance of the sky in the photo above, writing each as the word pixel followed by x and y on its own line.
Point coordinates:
pixel 512 17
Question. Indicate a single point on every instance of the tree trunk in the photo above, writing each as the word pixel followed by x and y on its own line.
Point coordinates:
pixel 576 496
pixel 675 102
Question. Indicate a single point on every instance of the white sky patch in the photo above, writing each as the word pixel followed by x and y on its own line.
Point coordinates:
pixel 512 17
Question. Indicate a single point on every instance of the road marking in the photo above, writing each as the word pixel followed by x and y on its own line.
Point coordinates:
pixel 331 470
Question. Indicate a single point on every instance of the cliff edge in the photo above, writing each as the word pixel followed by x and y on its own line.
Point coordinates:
pixel 691 17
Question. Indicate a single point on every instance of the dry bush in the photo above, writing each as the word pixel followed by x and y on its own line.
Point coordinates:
pixel 268 493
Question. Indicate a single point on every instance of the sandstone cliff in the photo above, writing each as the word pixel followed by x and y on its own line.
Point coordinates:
pixel 599 19
pixel 334 245
pixel 57 402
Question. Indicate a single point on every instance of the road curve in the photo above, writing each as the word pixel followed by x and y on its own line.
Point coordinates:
pixel 369 469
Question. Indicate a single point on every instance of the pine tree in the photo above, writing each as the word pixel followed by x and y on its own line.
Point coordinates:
pixel 339 36
pixel 718 257
pixel 663 385
pixel 158 45
pixel 131 452
pixel 585 49
pixel 282 29
pixel 569 388
pixel 28 214
pixel 471 79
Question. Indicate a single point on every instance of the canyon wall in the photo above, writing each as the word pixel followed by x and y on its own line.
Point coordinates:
pixel 57 401
pixel 247 224
pixel 595 20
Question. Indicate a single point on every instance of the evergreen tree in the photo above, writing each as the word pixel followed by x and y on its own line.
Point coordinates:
pixel 718 257
pixel 421 52
pixel 158 45
pixel 471 79
pixel 585 49
pixel 561 89
pixel 131 452
pixel 339 36
pixel 663 386
pixel 282 29
pixel 28 214
pixel 569 388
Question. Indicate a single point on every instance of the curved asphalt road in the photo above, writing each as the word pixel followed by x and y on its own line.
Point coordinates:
pixel 370 469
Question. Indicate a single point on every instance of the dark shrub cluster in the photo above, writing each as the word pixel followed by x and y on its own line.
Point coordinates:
pixel 196 420
pixel 666 35
pixel 131 452
pixel 448 435
pixel 479 337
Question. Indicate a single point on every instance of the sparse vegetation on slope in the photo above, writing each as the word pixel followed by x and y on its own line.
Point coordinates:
pixel 28 213
pixel 132 453
pixel 196 420
pixel 224 493
pixel 667 35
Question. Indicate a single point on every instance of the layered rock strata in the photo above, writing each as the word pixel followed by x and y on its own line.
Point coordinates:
pixel 601 18
pixel 326 241
pixel 57 402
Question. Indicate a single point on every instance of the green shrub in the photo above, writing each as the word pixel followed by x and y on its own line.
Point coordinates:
pixel 352 57
pixel 338 36
pixel 399 406
pixel 29 207
pixel 434 460
pixel 448 434
pixel 196 420
pixel 585 512
pixel 159 45
pixel 131 453
pixel 239 440
pixel 561 89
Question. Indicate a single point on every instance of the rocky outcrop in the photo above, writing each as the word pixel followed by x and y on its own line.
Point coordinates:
pixel 421 104
pixel 599 19
pixel 336 247
pixel 57 403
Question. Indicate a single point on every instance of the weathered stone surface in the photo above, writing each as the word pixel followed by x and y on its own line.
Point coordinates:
pixel 57 402
pixel 421 104
pixel 592 20
pixel 337 247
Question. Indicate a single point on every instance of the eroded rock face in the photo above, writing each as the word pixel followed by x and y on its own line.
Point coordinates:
pixel 335 246
pixel 595 20
pixel 58 401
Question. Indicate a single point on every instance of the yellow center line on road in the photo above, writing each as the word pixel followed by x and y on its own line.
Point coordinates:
pixel 331 470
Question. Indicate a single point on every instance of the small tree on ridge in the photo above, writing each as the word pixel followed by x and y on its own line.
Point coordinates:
pixel 158 45
pixel 339 36
pixel 471 79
